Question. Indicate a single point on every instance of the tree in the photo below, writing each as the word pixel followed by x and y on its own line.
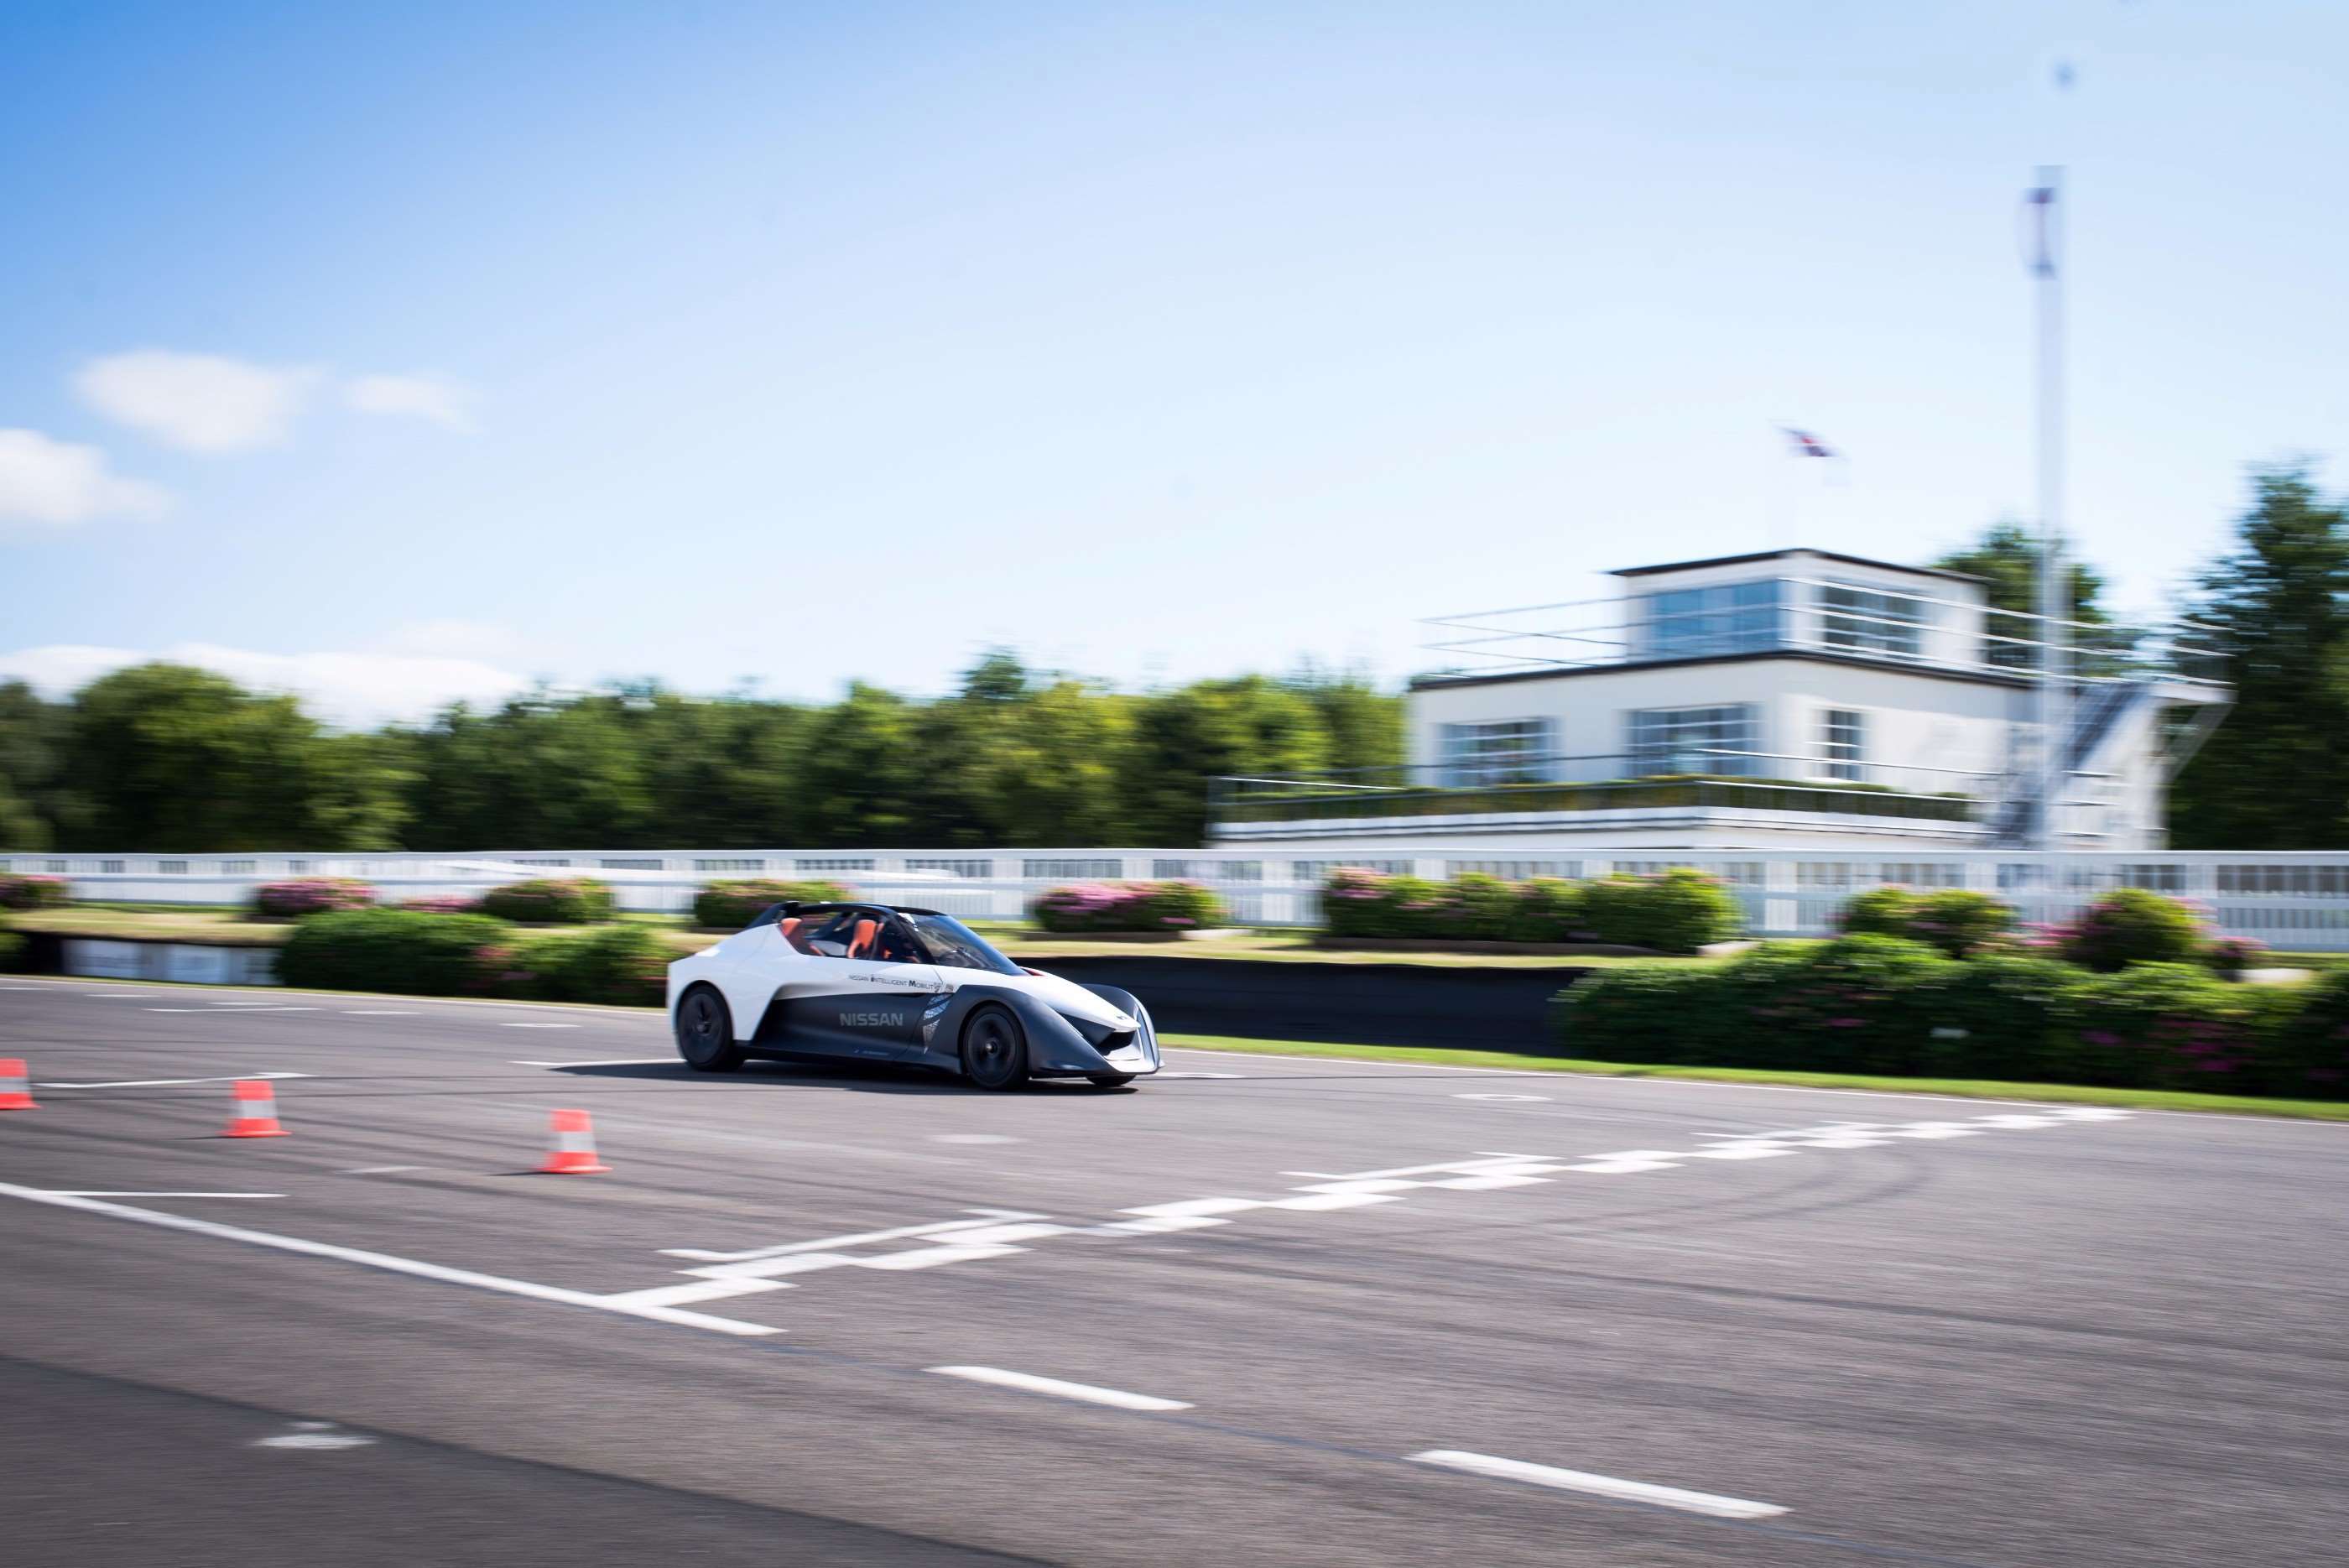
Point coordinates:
pixel 2007 558
pixel 170 757
pixel 2276 774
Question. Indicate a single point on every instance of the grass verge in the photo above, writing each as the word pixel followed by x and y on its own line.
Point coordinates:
pixel 1969 1088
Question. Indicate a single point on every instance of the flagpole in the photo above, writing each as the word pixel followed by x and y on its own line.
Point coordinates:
pixel 2055 680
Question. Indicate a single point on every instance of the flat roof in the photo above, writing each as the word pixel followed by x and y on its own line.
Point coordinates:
pixel 1813 656
pixel 1797 550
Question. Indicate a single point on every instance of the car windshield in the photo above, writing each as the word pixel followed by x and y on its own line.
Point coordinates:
pixel 953 945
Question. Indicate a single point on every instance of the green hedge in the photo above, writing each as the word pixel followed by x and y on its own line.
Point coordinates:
pixel 622 965
pixel 550 901
pixel 2130 925
pixel 14 952
pixel 1869 1003
pixel 731 906
pixel 33 892
pixel 403 950
pixel 1953 919
pixel 1677 913
pixel 1173 906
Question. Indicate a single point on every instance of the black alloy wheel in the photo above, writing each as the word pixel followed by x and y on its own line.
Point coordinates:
pixel 705 1033
pixel 994 1050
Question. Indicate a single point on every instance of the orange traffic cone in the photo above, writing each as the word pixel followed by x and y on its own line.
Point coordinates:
pixel 574 1153
pixel 16 1085
pixel 256 1111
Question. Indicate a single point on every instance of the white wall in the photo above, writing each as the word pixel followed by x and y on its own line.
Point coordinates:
pixel 1914 721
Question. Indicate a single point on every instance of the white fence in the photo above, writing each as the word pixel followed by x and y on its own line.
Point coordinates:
pixel 2289 900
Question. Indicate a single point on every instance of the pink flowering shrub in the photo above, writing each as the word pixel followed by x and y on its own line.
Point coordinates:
pixel 302 896
pixel 730 905
pixel 33 892
pixel 1128 907
pixel 443 904
pixel 1953 919
pixel 2130 925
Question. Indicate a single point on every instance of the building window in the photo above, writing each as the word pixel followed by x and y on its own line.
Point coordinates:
pixel 1071 870
pixel 237 867
pixel 170 867
pixel 109 867
pixel 1311 873
pixel 1497 751
pixel 1865 621
pixel 626 865
pixel 1207 871
pixel 538 860
pixel 1726 618
pixel 56 867
pixel 831 863
pixel 724 865
pixel 1843 742
pixel 976 869
pixel 1717 740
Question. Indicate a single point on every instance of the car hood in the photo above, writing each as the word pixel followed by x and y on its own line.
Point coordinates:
pixel 1066 996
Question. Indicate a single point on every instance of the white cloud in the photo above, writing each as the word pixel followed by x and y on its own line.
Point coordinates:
pixel 355 689
pixel 423 397
pixel 451 640
pixel 60 483
pixel 201 402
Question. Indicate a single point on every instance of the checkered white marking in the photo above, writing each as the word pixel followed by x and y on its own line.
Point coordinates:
pixel 1003 1232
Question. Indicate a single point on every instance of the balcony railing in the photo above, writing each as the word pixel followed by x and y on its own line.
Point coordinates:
pixel 1810 616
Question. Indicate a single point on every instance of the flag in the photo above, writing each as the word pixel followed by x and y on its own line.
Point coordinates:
pixel 1805 443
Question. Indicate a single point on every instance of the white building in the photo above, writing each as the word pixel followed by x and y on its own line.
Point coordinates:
pixel 1790 697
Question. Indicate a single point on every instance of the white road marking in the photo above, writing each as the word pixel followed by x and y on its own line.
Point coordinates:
pixel 76 1192
pixel 606 1061
pixel 377 1011
pixel 383 1260
pixel 1500 1097
pixel 512 1025
pixel 314 1435
pixel 829 1243
pixel 1165 1075
pixel 173 1082
pixel 1598 1486
pixel 379 1169
pixel 1029 1383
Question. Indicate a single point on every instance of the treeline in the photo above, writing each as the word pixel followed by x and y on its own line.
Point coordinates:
pixel 165 757
pixel 162 757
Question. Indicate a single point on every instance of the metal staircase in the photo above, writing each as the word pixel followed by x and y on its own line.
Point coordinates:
pixel 2097 710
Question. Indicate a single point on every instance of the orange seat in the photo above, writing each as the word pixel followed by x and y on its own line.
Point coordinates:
pixel 790 929
pixel 861 944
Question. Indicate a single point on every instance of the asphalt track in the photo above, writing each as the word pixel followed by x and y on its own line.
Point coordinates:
pixel 1839 1328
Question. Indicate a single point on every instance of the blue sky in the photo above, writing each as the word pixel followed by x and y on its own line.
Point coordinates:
pixel 390 354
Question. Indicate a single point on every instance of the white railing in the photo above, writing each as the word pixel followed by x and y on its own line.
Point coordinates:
pixel 2297 900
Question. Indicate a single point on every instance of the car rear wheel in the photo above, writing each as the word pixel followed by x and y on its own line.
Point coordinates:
pixel 705 1033
pixel 994 1050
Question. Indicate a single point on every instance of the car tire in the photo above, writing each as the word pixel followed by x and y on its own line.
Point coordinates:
pixel 1110 1080
pixel 705 1032
pixel 994 1049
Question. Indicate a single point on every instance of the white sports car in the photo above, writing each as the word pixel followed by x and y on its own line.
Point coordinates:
pixel 874 982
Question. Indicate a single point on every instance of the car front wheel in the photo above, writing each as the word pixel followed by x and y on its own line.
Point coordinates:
pixel 705 1033
pixel 994 1050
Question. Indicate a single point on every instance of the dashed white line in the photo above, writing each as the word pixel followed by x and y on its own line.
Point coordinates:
pixel 172 1083
pixel 1597 1485
pixel 383 1260
pixel 377 1011
pixel 63 1192
pixel 605 1062
pixel 1027 1382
